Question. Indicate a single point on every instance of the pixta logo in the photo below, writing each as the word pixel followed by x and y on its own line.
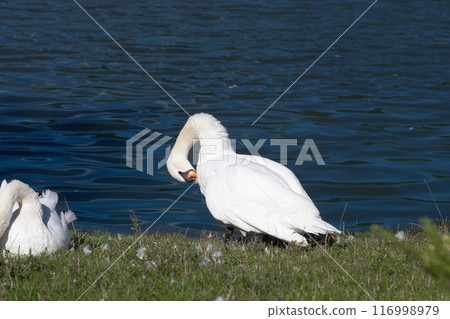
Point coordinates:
pixel 150 146
pixel 147 142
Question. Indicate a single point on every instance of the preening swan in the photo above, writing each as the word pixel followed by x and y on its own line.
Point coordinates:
pixel 252 193
pixel 30 224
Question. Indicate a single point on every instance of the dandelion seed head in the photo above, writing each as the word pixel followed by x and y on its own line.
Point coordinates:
pixel 205 261
pixel 217 257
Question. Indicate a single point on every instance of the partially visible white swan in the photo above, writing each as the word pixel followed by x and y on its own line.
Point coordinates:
pixel 30 224
pixel 252 193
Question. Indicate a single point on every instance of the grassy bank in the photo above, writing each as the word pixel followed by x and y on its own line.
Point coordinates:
pixel 175 267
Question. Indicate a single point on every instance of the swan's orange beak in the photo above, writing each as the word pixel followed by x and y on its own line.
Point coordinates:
pixel 192 175
pixel 189 176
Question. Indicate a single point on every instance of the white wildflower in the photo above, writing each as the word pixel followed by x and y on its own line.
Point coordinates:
pixel 105 246
pixel 217 254
pixel 220 298
pixel 400 235
pixel 86 250
pixel 141 253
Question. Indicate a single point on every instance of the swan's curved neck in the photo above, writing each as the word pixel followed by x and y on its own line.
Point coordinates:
pixel 214 144
pixel 16 191
pixel 211 134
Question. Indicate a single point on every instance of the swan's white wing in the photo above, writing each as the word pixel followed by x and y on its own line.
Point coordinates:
pixel 258 198
pixel 282 172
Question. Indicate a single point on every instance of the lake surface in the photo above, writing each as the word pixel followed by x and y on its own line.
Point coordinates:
pixel 376 105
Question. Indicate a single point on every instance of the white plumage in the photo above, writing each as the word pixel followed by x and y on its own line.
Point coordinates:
pixel 252 193
pixel 29 224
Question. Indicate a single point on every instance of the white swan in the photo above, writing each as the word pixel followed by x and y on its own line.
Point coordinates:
pixel 252 193
pixel 30 224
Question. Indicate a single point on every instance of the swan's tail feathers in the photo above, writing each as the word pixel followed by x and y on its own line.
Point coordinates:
pixel 49 199
pixel 68 216
pixel 319 226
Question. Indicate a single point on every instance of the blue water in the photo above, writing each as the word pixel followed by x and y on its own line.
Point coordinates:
pixel 376 105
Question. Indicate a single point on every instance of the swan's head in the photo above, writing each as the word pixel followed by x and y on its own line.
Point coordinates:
pixel 181 169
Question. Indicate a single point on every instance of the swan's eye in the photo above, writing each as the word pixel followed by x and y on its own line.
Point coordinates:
pixel 189 176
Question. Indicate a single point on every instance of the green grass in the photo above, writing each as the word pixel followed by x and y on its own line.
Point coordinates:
pixel 172 269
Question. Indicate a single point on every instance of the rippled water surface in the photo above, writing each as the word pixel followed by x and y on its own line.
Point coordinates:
pixel 376 104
